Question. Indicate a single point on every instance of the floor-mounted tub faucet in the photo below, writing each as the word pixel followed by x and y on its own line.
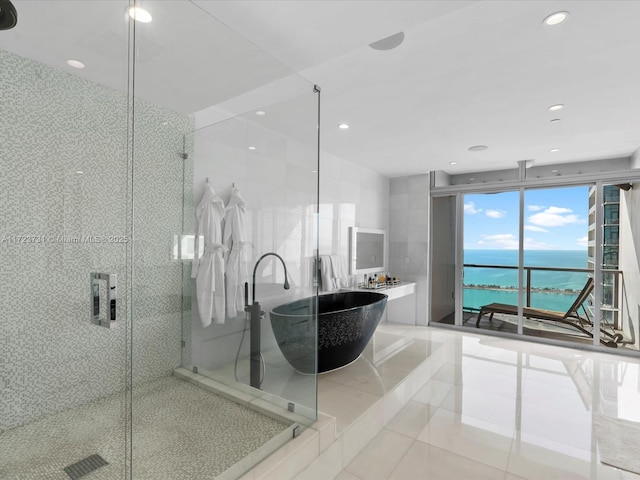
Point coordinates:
pixel 256 317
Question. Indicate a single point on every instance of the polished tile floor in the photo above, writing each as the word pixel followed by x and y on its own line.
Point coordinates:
pixel 389 358
pixel 488 408
pixel 502 409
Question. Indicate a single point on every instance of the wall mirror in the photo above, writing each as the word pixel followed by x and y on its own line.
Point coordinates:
pixel 366 250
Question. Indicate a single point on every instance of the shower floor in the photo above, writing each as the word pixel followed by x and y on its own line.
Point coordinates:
pixel 179 431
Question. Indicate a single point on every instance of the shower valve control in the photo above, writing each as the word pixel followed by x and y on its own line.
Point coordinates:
pixel 104 292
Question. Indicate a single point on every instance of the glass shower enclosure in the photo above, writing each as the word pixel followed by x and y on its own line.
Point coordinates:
pixel 109 128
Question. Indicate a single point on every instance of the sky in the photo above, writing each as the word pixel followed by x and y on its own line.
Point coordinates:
pixel 554 219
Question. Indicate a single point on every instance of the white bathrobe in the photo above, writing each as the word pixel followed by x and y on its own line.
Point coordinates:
pixel 208 270
pixel 235 240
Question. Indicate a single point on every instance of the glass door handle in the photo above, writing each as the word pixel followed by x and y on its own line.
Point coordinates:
pixel 110 299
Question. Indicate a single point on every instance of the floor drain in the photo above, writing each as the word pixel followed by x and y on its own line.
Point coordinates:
pixel 85 466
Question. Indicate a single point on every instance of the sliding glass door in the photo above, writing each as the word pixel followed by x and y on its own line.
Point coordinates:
pixel 619 286
pixel 558 279
pixel 444 220
pixel 491 241
pixel 559 263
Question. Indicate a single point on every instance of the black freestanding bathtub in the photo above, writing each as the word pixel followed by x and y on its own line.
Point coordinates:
pixel 346 322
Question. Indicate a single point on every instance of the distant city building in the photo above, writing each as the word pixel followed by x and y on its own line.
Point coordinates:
pixel 610 248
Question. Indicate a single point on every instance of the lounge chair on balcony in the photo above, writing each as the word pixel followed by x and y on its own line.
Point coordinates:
pixel 572 317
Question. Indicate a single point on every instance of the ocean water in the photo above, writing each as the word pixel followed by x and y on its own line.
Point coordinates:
pixel 560 288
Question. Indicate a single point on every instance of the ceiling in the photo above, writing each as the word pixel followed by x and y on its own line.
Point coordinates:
pixel 468 72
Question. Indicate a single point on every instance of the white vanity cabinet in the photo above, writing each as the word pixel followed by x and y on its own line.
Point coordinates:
pixel 401 302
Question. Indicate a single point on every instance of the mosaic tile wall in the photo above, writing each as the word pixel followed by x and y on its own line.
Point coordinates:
pixel 157 219
pixel 53 126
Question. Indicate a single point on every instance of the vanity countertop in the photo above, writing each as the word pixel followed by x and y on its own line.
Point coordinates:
pixel 392 292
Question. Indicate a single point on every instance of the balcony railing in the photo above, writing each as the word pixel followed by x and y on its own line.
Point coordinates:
pixel 610 285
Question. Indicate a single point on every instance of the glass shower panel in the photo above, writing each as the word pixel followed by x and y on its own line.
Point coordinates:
pixel 267 166
pixel 65 239
pixel 195 81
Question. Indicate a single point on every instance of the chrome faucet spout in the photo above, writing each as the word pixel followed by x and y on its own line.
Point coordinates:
pixel 253 284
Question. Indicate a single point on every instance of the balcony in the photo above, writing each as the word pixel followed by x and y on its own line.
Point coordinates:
pixel 549 288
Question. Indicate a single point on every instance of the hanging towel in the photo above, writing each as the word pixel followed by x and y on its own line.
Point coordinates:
pixel 234 238
pixel 340 271
pixel 326 273
pixel 208 270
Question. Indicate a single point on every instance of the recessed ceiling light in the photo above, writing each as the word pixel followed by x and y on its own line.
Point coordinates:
pixel 477 148
pixel 554 171
pixel 556 18
pixel 554 150
pixel 261 113
pixel 558 106
pixel 453 163
pixel 314 171
pixel 343 126
pixel 252 148
pixel 79 172
pixel 75 64
pixel 555 120
pixel 139 14
pixel 471 179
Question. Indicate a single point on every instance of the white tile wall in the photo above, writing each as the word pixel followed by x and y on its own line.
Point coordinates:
pixel 279 185
pixel 409 237
pixel 278 181
pixel 350 196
